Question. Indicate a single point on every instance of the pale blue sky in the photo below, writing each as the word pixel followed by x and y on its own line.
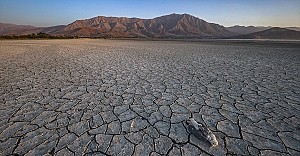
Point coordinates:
pixel 225 12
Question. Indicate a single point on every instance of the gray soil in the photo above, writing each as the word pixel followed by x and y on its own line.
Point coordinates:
pixel 123 97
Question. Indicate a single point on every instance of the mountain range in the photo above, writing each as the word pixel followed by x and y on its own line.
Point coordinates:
pixel 167 26
pixel 251 29
pixel 272 33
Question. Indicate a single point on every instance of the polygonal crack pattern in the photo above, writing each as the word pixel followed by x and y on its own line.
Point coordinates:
pixel 109 97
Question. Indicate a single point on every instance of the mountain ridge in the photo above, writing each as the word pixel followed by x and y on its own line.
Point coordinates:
pixel 173 25
pixel 251 29
pixel 246 29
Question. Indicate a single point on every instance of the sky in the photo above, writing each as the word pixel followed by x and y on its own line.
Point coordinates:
pixel 282 13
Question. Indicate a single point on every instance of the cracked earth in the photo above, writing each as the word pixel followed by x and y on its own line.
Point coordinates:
pixel 105 97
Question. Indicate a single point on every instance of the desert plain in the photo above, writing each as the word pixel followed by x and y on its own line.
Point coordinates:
pixel 125 97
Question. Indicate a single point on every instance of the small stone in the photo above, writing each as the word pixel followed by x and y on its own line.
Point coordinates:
pixel 139 124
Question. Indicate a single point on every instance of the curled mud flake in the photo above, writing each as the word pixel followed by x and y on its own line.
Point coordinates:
pixel 195 124
pixel 202 132
pixel 212 139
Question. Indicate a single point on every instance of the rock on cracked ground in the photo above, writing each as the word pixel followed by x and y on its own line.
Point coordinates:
pixel 103 97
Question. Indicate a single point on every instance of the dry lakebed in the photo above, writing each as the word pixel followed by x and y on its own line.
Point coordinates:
pixel 131 97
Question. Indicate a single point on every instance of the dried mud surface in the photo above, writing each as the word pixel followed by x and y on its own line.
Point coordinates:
pixel 112 97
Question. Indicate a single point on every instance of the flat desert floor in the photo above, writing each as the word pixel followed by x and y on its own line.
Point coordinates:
pixel 123 97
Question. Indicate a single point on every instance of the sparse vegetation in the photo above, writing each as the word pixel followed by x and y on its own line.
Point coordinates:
pixel 40 35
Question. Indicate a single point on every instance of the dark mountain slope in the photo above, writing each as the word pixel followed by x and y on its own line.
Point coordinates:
pixel 273 33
